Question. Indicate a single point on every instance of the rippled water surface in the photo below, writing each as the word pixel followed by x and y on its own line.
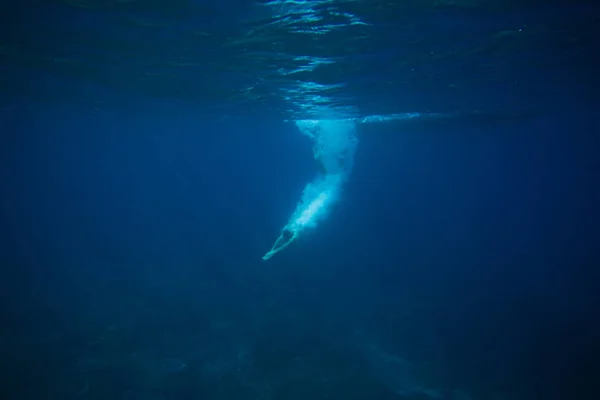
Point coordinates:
pixel 301 58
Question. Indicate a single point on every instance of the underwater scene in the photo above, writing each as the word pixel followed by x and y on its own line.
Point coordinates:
pixel 299 200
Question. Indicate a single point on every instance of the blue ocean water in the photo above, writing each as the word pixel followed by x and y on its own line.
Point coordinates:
pixel 441 204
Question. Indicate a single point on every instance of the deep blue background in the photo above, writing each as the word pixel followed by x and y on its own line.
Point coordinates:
pixel 471 245
pixel 145 170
